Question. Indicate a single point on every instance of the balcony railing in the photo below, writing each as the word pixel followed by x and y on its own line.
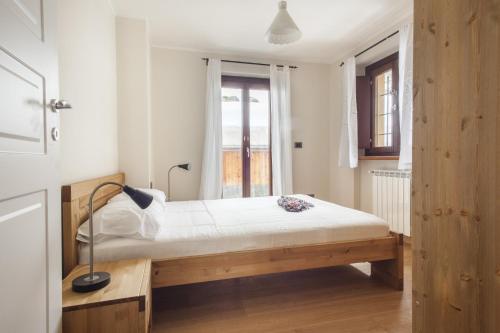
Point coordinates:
pixel 260 172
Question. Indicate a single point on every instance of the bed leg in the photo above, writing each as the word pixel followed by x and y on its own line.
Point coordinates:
pixel 391 271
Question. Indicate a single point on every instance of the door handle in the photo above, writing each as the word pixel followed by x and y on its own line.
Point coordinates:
pixel 61 104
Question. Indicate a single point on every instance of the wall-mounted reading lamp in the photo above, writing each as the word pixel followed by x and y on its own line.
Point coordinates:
pixel 97 280
pixel 185 166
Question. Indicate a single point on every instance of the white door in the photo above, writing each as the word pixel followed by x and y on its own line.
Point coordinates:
pixel 30 231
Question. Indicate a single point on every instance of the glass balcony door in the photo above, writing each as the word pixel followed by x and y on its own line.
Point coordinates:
pixel 232 149
pixel 246 137
pixel 260 145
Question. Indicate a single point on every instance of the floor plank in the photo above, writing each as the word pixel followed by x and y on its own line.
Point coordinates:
pixel 338 299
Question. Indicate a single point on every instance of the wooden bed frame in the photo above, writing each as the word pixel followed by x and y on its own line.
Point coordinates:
pixel 385 253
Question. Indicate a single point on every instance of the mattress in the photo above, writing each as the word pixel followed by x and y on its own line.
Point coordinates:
pixel 216 226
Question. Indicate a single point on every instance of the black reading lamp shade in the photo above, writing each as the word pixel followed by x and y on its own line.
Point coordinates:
pixel 97 280
pixel 186 166
pixel 142 199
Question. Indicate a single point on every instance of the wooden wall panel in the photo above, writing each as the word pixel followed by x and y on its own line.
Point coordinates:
pixel 456 183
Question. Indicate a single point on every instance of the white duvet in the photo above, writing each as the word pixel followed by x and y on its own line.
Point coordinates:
pixel 216 226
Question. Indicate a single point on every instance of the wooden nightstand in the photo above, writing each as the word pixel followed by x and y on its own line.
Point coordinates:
pixel 123 306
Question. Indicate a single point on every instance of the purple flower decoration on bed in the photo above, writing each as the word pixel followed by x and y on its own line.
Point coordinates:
pixel 291 204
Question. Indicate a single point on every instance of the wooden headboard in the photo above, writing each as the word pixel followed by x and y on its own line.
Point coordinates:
pixel 75 199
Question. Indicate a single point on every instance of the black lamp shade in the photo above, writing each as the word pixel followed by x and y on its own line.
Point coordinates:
pixel 142 199
pixel 186 166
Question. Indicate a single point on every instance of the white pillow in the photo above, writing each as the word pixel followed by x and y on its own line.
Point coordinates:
pixel 158 195
pixel 123 218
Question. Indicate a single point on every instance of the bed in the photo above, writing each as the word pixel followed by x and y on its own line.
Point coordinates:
pixel 221 239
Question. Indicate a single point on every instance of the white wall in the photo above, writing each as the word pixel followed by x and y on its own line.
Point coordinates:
pixel 178 106
pixel 310 86
pixel 87 67
pixel 134 116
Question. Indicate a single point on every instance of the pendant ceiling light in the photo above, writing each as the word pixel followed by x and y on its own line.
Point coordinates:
pixel 283 30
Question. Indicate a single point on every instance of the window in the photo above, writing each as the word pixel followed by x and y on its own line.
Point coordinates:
pixel 378 115
pixel 246 137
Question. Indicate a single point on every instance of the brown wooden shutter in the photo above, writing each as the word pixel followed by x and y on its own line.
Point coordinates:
pixel 363 98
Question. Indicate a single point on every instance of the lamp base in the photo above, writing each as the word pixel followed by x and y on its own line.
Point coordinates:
pixel 83 283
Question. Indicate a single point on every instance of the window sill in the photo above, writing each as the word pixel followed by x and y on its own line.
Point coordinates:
pixel 378 158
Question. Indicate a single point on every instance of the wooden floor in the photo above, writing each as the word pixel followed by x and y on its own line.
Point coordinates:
pixel 338 299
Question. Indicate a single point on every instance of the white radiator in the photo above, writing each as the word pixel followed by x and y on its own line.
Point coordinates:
pixel 391 198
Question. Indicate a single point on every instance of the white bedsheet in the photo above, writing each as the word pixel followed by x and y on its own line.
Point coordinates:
pixel 217 226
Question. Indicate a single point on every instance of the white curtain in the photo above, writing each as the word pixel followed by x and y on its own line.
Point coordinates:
pixel 406 94
pixel 281 131
pixel 211 173
pixel 348 150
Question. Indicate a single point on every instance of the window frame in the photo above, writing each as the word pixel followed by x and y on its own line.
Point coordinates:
pixel 246 84
pixel 390 62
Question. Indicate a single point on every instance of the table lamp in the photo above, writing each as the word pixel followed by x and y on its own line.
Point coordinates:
pixel 97 280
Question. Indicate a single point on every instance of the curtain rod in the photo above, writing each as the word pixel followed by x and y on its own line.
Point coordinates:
pixel 373 45
pixel 248 63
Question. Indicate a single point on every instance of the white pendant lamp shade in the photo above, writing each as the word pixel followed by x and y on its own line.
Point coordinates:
pixel 283 30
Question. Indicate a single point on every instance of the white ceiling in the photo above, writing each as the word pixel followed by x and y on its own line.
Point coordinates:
pixel 331 29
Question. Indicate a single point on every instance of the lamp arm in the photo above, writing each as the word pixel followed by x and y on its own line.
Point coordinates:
pixel 91 224
pixel 168 181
